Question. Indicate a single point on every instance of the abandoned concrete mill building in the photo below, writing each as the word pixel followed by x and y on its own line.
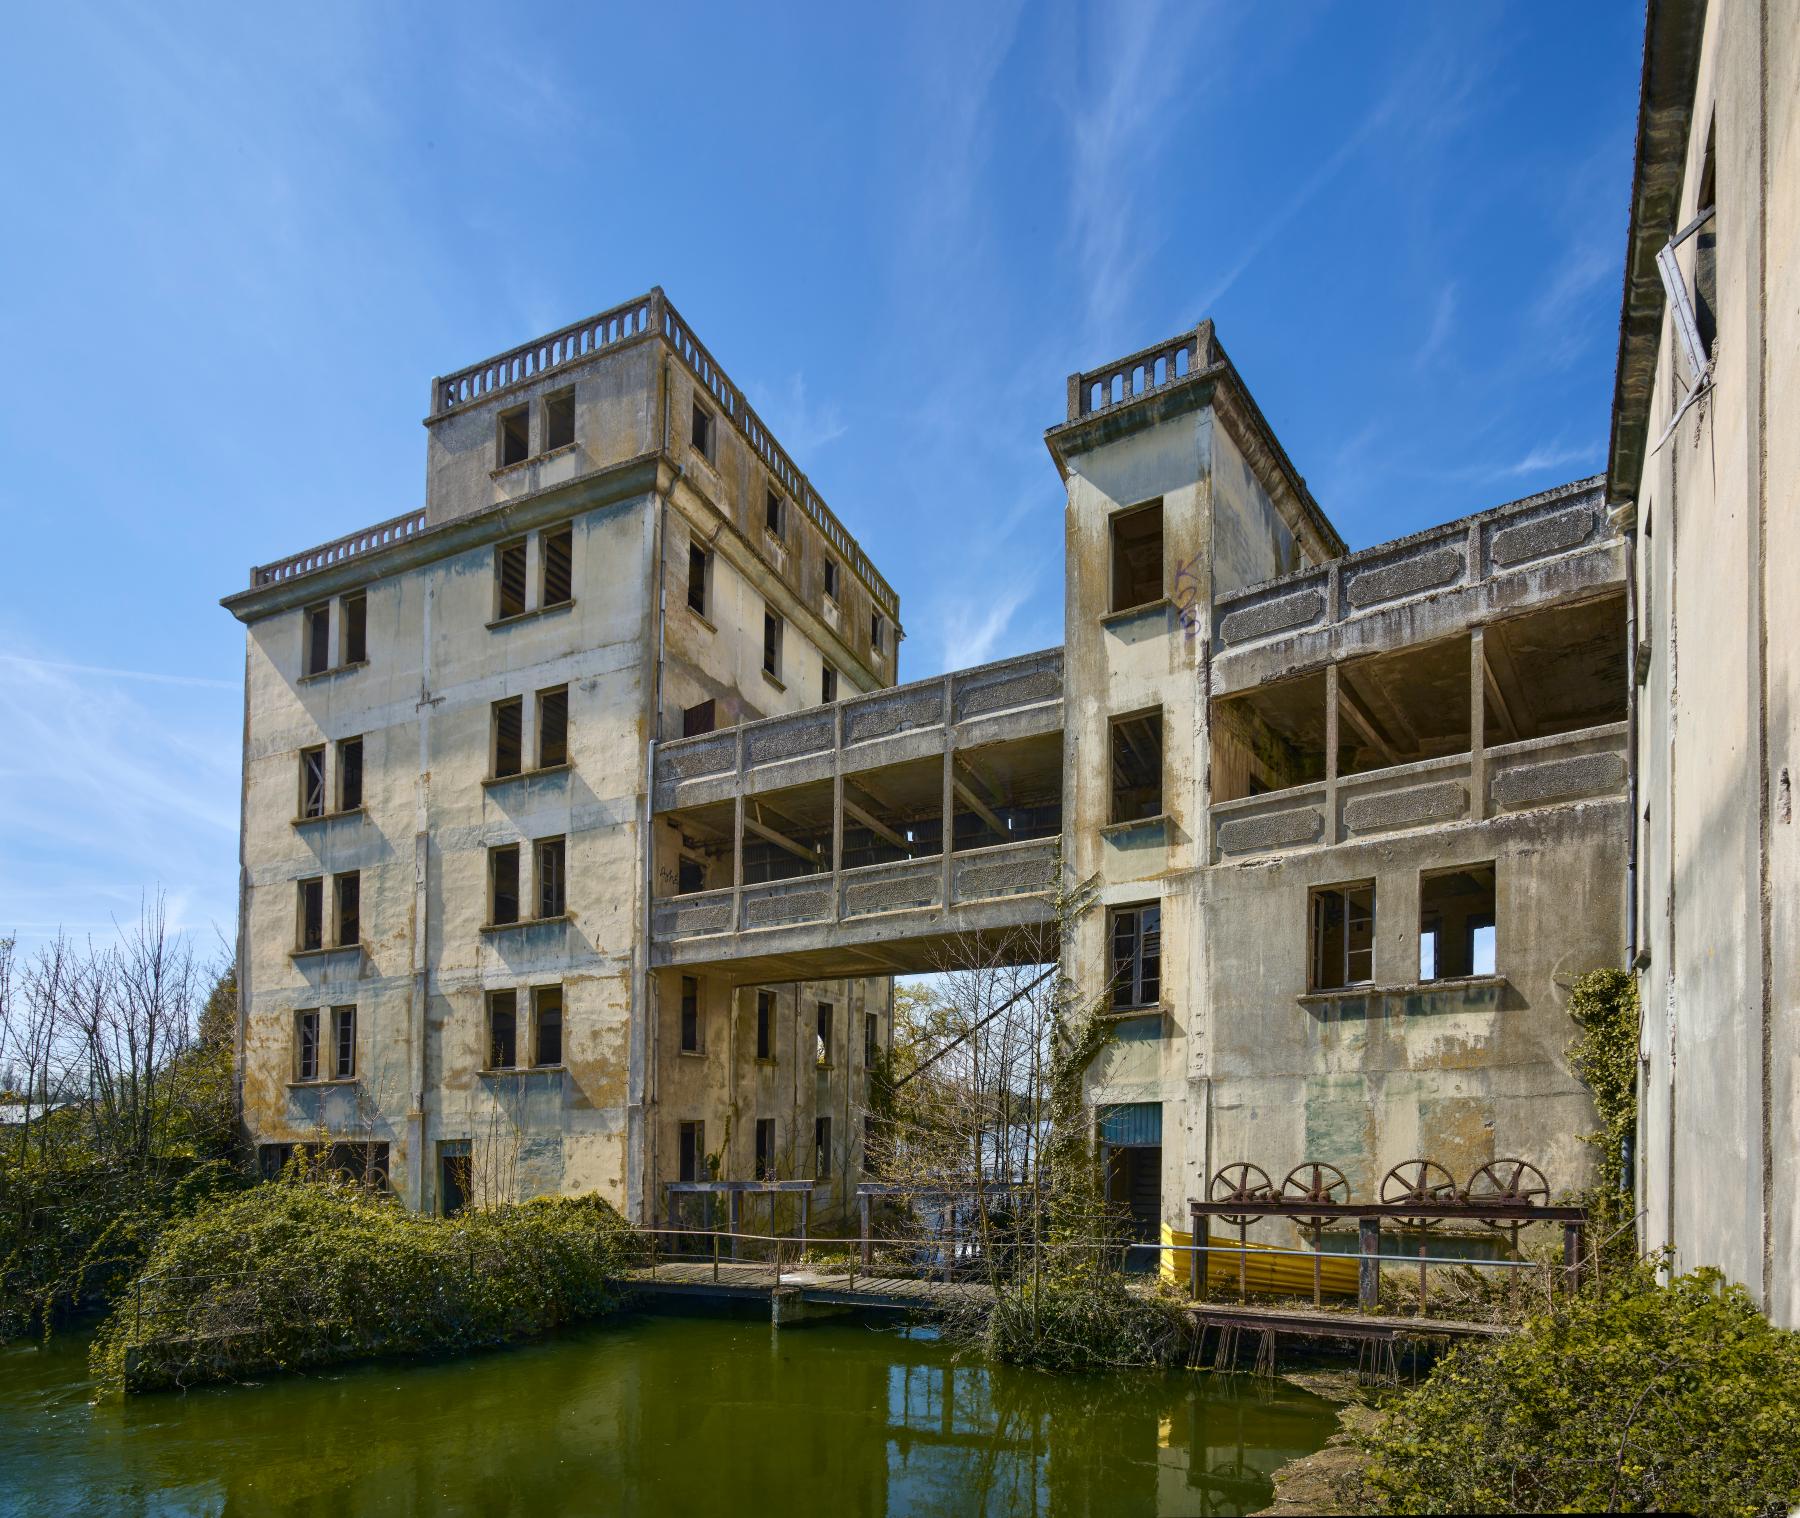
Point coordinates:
pixel 585 827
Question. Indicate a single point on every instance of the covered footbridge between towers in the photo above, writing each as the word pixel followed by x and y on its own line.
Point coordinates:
pixel 872 836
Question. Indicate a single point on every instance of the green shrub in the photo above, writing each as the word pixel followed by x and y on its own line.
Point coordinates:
pixel 291 1275
pixel 1629 1398
pixel 1084 1320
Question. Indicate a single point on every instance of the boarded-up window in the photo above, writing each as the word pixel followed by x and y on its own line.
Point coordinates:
pixel 690 1015
pixel 515 435
pixel 765 1149
pixel 1137 766
pixel 1137 556
pixel 553 727
pixel 349 908
pixel 696 720
pixel 312 782
pixel 343 1043
pixel 312 913
pixel 559 574
pixel 1137 956
pixel 559 420
pixel 350 774
pixel 547 1014
pixel 503 884
pixel 306 1045
pixel 697 578
pixel 503 1030
pixel 552 892
pixel 355 629
pixel 316 651
pixel 765 1025
pixel 509 579
pixel 1343 935
pixel 509 737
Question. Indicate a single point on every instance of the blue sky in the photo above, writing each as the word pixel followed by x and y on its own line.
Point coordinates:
pixel 240 240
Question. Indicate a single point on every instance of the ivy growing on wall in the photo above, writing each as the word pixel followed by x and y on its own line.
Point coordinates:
pixel 1605 1005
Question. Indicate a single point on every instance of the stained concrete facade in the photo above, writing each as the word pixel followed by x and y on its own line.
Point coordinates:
pixel 605 517
pixel 1704 469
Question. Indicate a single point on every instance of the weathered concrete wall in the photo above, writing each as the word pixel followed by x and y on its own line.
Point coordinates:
pixel 1716 552
pixel 1250 542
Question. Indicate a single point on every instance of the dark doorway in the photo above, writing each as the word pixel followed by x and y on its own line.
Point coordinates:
pixel 454 1185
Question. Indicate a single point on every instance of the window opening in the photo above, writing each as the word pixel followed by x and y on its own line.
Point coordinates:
pixel 771 644
pixel 515 435
pixel 692 1151
pixel 509 737
pixel 876 632
pixel 318 639
pixel 1137 556
pixel 690 1015
pixel 765 1149
pixel 503 1030
pixel 343 1043
pixel 702 433
pixel 350 774
pixel 312 913
pixel 306 1046
pixel 1137 956
pixel 824 1038
pixel 696 720
pixel 356 629
pixel 697 578
pixel 559 574
pixel 509 578
pixel 349 909
pixel 871 1038
pixel 772 514
pixel 547 1013
pixel 1456 923
pixel 831 578
pixel 821 1148
pixel 1137 767
pixel 827 685
pixel 552 882
pixel 1343 936
pixel 559 420
pixel 690 875
pixel 765 1025
pixel 553 727
pixel 503 884
pixel 312 782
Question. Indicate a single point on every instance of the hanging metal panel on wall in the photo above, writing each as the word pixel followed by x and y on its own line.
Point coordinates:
pixel 1132 1125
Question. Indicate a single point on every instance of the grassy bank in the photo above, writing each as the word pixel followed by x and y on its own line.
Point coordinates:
pixel 293 1275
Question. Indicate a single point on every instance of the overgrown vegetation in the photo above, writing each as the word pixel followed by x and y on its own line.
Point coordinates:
pixel 1605 1005
pixel 1629 1397
pixel 305 1272
pixel 118 1088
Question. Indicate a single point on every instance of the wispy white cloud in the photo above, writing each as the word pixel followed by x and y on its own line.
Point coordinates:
pixel 1443 323
pixel 1545 458
pixel 802 424
pixel 148 677
pixel 974 626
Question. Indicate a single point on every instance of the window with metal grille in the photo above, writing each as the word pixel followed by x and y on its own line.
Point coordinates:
pixel 354 629
pixel 312 913
pixel 1137 956
pixel 559 420
pixel 765 1025
pixel 509 737
pixel 765 1149
pixel 558 550
pixel 552 882
pixel 697 557
pixel 503 1030
pixel 349 908
pixel 343 1043
pixel 312 782
pixel 515 436
pixel 547 1015
pixel 553 727
pixel 509 579
pixel 1137 767
pixel 306 1045
pixel 503 883
pixel 1343 935
pixel 771 644
pixel 316 649
pixel 690 1015
pixel 350 774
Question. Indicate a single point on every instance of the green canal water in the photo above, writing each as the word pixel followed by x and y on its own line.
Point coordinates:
pixel 687 1415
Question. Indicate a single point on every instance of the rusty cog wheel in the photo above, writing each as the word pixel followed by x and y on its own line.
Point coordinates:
pixel 1510 1183
pixel 1315 1181
pixel 1424 1183
pixel 1244 1183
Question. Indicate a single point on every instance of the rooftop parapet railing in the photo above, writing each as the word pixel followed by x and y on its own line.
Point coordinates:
pixel 1139 374
pixel 394 530
pixel 529 360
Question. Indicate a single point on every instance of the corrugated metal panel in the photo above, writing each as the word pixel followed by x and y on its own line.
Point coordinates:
pixel 1131 1124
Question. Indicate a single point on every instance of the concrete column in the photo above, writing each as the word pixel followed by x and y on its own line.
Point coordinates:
pixel 1477 725
pixel 737 840
pixel 837 813
pixel 534 559
pixel 1368 1273
pixel 1331 754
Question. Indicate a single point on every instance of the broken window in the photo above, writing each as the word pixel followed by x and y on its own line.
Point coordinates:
pixel 515 435
pixel 1137 556
pixel 553 727
pixel 697 578
pixel 1456 923
pixel 765 1149
pixel 1137 956
pixel 509 737
pixel 696 720
pixel 692 1151
pixel 503 1030
pixel 559 420
pixel 350 774
pixel 827 685
pixel 1343 936
pixel 354 629
pixel 690 875
pixel 824 1039
pixel 509 579
pixel 349 909
pixel 503 884
pixel 306 1045
pixel 559 576
pixel 317 651
pixel 821 1148
pixel 547 1016
pixel 1706 255
pixel 771 644
pixel 312 782
pixel 1137 766
pixel 552 883
pixel 690 1015
pixel 702 433
pixel 871 1038
pixel 765 1025
pixel 772 515
pixel 343 1043
pixel 312 913
pixel 831 578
